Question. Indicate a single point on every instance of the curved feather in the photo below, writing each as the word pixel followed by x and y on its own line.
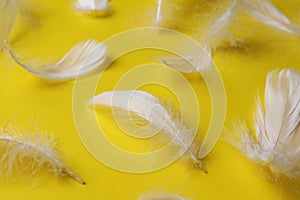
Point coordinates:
pixel 147 107
pixel 275 143
pixel 82 59
pixel 282 106
pixel 267 13
pixel 28 153
pixel 215 34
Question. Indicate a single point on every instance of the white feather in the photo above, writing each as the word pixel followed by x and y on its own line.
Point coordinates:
pixel 93 6
pixel 267 13
pixel 147 107
pixel 214 36
pixel 82 59
pixel 275 143
pixel 8 12
pixel 161 196
pixel 158 17
pixel 28 152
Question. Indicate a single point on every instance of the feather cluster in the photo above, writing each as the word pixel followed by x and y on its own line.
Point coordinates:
pixel 161 196
pixel 274 143
pixel 29 152
pixel 149 108
pixel 93 7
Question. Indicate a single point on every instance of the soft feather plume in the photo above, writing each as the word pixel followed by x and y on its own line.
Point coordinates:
pixel 267 13
pixel 8 12
pixel 147 107
pixel 161 196
pixel 93 7
pixel 27 152
pixel 214 36
pixel 82 59
pixel 275 141
pixel 168 12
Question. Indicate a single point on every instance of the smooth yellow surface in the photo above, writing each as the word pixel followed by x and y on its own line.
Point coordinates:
pixel 30 101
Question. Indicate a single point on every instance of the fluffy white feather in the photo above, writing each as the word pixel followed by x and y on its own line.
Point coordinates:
pixel 267 13
pixel 174 13
pixel 28 152
pixel 8 12
pixel 218 30
pixel 82 59
pixel 214 36
pixel 98 7
pixel 161 196
pixel 147 107
pixel 275 142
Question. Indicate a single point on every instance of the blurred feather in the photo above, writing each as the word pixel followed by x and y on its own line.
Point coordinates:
pixel 8 13
pixel 168 12
pixel 216 33
pixel 28 152
pixel 147 107
pixel 161 196
pixel 275 143
pixel 267 13
pixel 93 7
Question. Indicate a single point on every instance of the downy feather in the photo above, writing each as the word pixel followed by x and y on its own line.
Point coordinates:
pixel 94 7
pixel 161 196
pixel 148 107
pixel 173 13
pixel 28 152
pixel 214 36
pixel 267 13
pixel 275 142
pixel 82 59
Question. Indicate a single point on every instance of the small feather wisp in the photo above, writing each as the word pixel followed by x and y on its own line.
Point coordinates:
pixel 96 8
pixel 25 153
pixel 274 142
pixel 266 12
pixel 216 33
pixel 149 108
pixel 8 13
pixel 161 196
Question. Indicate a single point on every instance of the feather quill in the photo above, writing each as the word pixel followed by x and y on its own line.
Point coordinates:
pixel 94 7
pixel 161 196
pixel 148 107
pixel 82 59
pixel 28 153
pixel 275 142
pixel 267 13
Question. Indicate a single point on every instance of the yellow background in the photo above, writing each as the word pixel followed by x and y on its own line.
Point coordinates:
pixel 32 102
